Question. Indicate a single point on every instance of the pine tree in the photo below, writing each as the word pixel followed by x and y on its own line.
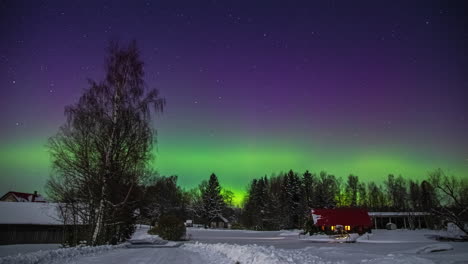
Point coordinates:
pixel 352 188
pixel 213 203
pixel 327 190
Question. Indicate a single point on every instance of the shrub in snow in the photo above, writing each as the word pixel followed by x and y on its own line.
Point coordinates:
pixel 170 228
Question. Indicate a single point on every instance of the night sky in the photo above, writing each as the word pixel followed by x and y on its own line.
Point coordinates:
pixel 252 88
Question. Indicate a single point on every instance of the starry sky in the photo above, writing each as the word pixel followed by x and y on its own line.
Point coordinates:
pixel 252 87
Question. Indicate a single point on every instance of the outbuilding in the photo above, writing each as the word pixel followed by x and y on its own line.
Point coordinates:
pixel 30 223
pixel 219 222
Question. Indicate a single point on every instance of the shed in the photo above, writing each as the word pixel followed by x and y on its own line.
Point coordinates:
pixel 219 222
pixel 30 223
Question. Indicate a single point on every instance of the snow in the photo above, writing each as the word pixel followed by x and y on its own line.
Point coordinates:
pixel 29 213
pixel 398 236
pixel 51 256
pixel 141 235
pixel 290 232
pixel 258 247
pixel 253 254
pixel 430 249
pixel 330 239
pixel 7 250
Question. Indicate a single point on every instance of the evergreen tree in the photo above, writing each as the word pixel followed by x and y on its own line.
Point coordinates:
pixel 363 199
pixel 415 195
pixel 428 197
pixel 376 197
pixel 213 202
pixel 308 189
pixel 327 190
pixel 291 200
pixel 352 188
pixel 396 191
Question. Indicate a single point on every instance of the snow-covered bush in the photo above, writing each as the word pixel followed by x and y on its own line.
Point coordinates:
pixel 170 228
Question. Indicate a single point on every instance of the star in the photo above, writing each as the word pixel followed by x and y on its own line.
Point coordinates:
pixel 13 81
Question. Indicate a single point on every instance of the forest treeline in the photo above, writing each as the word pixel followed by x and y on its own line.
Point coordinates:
pixel 284 201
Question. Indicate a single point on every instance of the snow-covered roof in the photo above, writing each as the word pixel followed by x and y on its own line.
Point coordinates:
pixel 29 213
pixel 397 213
pixel 221 217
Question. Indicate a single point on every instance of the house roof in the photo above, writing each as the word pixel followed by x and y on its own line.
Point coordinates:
pixel 25 197
pixel 29 213
pixel 220 217
pixel 341 216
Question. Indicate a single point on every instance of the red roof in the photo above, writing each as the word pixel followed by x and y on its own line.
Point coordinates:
pixel 26 197
pixel 341 216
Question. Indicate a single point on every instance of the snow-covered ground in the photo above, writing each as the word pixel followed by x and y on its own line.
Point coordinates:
pixel 256 247
pixel 9 250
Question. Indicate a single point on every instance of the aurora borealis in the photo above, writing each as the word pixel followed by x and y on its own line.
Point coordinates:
pixel 252 88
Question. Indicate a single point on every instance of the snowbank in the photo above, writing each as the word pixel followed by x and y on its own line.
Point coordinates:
pixel 330 239
pixel 430 249
pixel 141 236
pixel 251 254
pixel 290 232
pixel 8 250
pixel 50 256
pixel 398 236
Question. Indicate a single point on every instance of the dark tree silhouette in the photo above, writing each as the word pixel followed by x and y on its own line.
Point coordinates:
pixel 452 196
pixel 104 147
pixel 352 190
pixel 213 202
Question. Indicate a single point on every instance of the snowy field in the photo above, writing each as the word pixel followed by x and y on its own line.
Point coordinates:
pixel 256 247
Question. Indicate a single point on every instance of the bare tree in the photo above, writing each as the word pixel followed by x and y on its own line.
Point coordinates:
pixel 103 149
pixel 452 195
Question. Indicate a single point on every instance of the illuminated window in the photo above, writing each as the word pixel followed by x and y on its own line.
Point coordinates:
pixel 323 228
pixel 333 228
pixel 347 228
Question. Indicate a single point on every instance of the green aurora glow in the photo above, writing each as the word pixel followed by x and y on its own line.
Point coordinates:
pixel 28 164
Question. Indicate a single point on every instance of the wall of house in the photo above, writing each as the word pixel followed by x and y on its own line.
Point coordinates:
pixel 31 234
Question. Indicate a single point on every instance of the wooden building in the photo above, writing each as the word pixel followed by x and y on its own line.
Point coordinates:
pixel 30 223
pixel 402 220
pixel 348 220
pixel 219 222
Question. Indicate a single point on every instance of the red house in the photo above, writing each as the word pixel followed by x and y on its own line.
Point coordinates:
pixel 351 220
pixel 22 197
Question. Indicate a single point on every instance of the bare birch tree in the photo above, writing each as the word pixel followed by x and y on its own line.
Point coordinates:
pixel 103 149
